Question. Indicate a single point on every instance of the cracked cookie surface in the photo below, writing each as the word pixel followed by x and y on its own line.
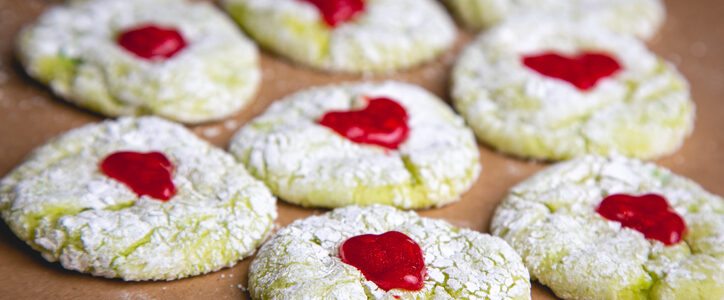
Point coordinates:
pixel 644 110
pixel 63 205
pixel 73 48
pixel 301 261
pixel 388 35
pixel 551 220
pixel 309 164
pixel 641 18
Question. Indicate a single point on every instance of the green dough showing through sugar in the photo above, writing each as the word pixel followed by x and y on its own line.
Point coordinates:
pixel 311 165
pixel 301 261
pixel 65 207
pixel 73 48
pixel 388 35
pixel 551 221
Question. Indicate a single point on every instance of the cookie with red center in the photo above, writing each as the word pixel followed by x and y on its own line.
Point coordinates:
pixel 542 88
pixel 180 60
pixel 356 36
pixel 137 199
pixel 641 18
pixel 389 143
pixel 379 252
pixel 616 228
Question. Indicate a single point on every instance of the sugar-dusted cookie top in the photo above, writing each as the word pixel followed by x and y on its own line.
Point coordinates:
pixel 552 89
pixel 137 199
pixel 389 143
pixel 616 228
pixel 368 253
pixel 357 36
pixel 180 60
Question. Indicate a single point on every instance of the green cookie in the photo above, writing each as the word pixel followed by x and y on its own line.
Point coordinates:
pixel 62 204
pixel 309 164
pixel 552 221
pixel 74 48
pixel 301 261
pixel 641 18
pixel 387 35
pixel 643 109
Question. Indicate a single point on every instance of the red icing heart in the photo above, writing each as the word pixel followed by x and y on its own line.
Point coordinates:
pixel 383 122
pixel 648 214
pixel 391 260
pixel 335 12
pixel 145 173
pixel 150 41
pixel 583 70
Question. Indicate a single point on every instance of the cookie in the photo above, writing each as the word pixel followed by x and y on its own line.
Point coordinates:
pixel 137 199
pixel 641 18
pixel 378 252
pixel 388 143
pixel 616 228
pixel 180 60
pixel 551 89
pixel 355 36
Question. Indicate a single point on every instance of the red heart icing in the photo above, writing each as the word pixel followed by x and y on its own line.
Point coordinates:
pixel 583 70
pixel 150 41
pixel 649 214
pixel 391 260
pixel 383 122
pixel 335 12
pixel 145 173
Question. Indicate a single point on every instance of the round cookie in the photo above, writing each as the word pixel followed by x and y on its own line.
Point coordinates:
pixel 641 18
pixel 62 203
pixel 83 51
pixel 552 221
pixel 302 260
pixel 384 36
pixel 309 164
pixel 550 89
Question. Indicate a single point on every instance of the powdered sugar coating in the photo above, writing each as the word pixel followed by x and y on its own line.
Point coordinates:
pixel 301 261
pixel 388 35
pixel 641 18
pixel 63 205
pixel 73 48
pixel 642 111
pixel 311 165
pixel 551 220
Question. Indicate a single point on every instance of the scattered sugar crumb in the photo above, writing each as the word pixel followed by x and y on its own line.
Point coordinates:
pixel 268 74
pixel 429 73
pixel 512 169
pixel 222 275
pixel 713 146
pixel 31 103
pixel 211 132
pixel 698 49
pixel 281 84
pixel 242 288
pixel 368 75
pixel 675 58
pixel 231 124
pixel 449 57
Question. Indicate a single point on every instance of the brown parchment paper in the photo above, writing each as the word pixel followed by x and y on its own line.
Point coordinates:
pixel 692 38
